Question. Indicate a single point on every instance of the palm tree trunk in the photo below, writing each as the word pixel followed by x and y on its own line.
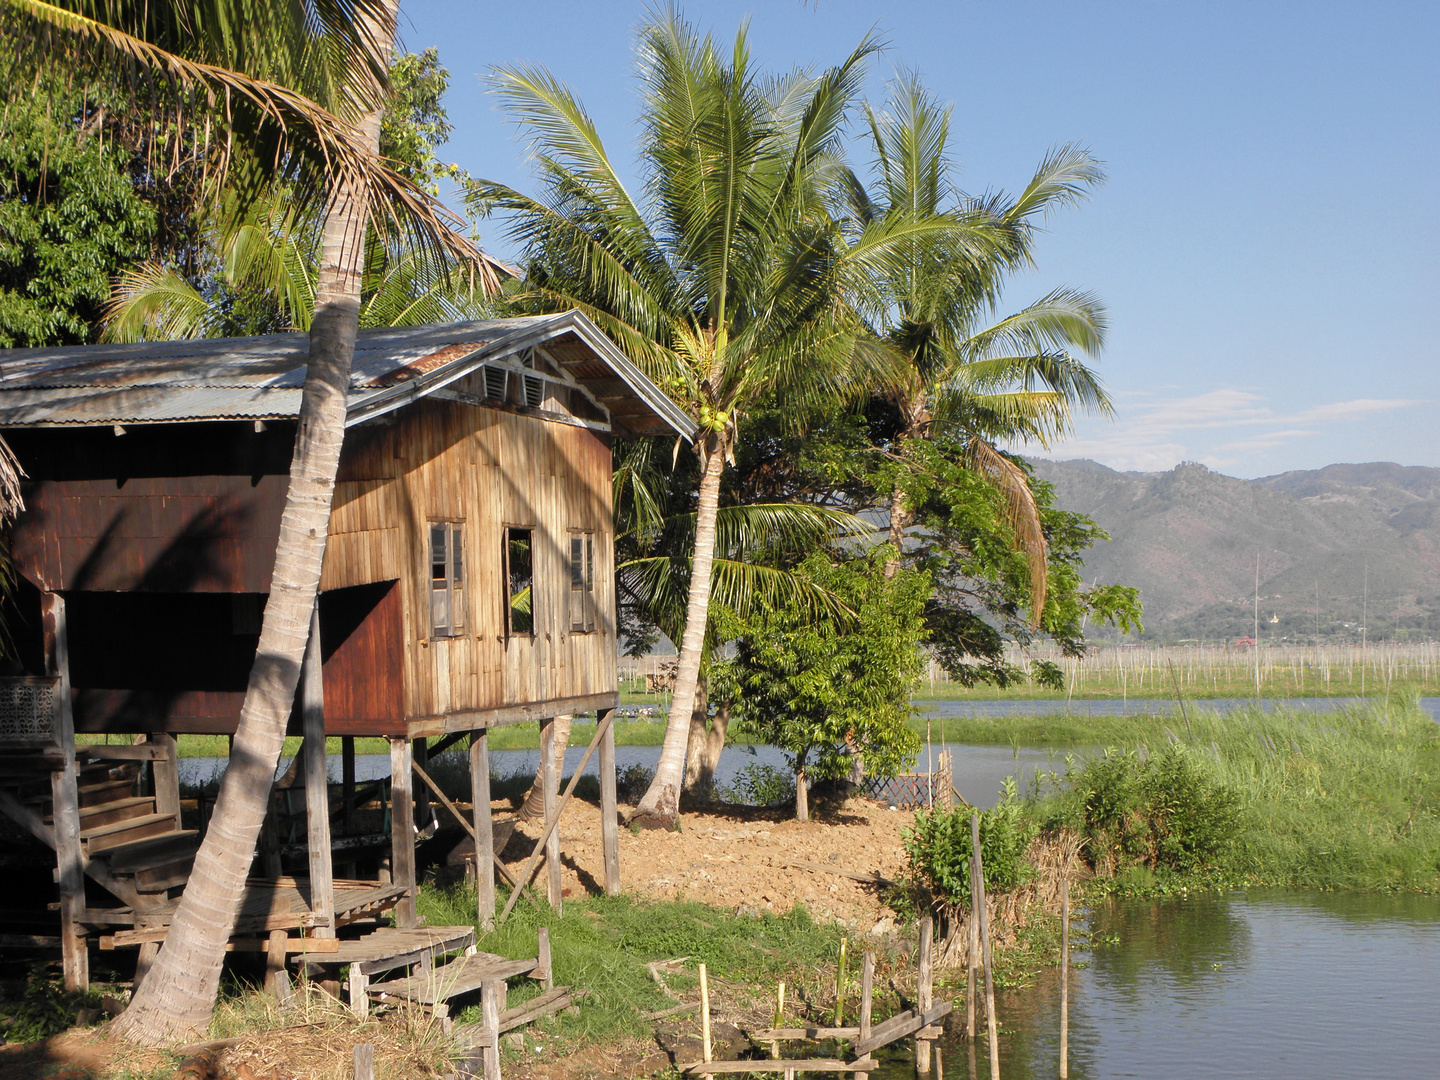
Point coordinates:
pixel 175 1000
pixel 695 751
pixel 714 743
pixel 533 808
pixel 660 806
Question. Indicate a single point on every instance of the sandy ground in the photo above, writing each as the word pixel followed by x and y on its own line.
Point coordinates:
pixel 737 857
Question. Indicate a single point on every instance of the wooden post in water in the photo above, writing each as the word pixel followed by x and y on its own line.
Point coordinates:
pixel 925 992
pixel 704 1016
pixel 1064 978
pixel 972 954
pixel 867 995
pixel 984 916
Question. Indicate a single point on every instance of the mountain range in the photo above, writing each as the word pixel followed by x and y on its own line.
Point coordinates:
pixel 1337 548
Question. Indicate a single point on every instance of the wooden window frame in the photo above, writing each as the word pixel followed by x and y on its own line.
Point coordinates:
pixel 581 573
pixel 453 590
pixel 506 611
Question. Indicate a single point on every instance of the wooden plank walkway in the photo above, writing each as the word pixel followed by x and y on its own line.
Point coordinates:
pixel 389 948
pixel 462 976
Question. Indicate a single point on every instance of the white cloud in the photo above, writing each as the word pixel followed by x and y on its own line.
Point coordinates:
pixel 1221 428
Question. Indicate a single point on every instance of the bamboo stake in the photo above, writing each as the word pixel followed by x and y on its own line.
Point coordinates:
pixel 925 990
pixel 994 1039
pixel 840 987
pixel 972 954
pixel 705 1015
pixel 779 1019
pixel 1064 978
pixel 867 995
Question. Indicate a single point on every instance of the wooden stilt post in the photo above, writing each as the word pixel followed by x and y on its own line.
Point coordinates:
pixel 420 755
pixel 166 772
pixel 402 830
pixel 867 995
pixel 925 991
pixel 347 782
pixel 551 769
pixel 609 809
pixel 65 798
pixel 364 1060
pixel 984 917
pixel 1065 976
pixel 317 792
pixel 484 829
pixel 705 1018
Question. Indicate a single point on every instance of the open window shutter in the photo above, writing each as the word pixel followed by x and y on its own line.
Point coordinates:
pixel 439 581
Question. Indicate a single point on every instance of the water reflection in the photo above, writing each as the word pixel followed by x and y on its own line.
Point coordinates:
pixel 1259 985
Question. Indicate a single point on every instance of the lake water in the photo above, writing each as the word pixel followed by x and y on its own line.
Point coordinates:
pixel 979 771
pixel 1260 985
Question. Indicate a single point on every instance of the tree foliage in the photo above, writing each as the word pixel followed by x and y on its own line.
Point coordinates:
pixel 71 218
pixel 823 689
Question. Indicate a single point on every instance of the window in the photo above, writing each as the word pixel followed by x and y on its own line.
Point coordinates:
pixel 447 579
pixel 519 577
pixel 582 582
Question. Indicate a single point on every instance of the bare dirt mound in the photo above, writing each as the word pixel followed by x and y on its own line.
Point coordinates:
pixel 741 857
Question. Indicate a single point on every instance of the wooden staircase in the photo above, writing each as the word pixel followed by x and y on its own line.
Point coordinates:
pixel 131 844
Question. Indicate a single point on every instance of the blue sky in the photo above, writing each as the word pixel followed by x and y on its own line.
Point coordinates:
pixel 1268 242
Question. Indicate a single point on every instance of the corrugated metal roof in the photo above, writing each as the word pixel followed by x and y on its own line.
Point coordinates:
pixel 260 378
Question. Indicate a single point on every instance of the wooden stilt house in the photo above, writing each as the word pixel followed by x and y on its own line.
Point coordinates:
pixel 467 583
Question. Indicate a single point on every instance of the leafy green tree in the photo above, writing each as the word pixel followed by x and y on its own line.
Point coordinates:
pixel 70 220
pixel 825 689
pixel 728 282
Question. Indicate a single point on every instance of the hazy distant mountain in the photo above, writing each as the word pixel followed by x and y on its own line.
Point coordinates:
pixel 1189 537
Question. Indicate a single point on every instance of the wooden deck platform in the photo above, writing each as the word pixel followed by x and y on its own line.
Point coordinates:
pixel 389 948
pixel 269 904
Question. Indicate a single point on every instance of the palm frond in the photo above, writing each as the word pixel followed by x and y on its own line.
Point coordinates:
pixel 1022 516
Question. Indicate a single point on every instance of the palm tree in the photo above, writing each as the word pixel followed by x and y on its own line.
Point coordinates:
pixel 728 284
pixel 245 58
pixel 271 253
pixel 1016 378
pixel 756 547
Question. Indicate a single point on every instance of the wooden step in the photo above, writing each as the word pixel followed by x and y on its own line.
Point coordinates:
pixel 152 851
pixel 154 879
pixel 111 813
pixel 459 977
pixel 123 832
pixel 105 791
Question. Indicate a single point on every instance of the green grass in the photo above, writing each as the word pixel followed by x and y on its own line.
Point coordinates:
pixel 1343 800
pixel 602 944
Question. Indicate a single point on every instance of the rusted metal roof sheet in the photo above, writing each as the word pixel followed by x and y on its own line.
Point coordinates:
pixel 260 378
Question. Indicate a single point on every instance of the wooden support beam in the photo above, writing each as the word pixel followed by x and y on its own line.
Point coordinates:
pixel 798 1065
pixel 166 772
pixel 609 810
pixel 347 781
pixel 317 793
pixel 420 757
pixel 607 720
pixel 867 1001
pixel 402 830
pixel 492 1004
pixel 483 829
pixel 65 799
pixel 543 970
pixel 550 771
pixel 898 1026
pixel 925 991
pixel 277 978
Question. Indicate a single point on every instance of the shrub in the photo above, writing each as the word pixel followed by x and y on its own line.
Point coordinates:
pixel 758 784
pixel 938 847
pixel 632 782
pixel 1161 811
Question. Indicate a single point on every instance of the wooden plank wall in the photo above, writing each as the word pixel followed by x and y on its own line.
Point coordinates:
pixel 492 469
